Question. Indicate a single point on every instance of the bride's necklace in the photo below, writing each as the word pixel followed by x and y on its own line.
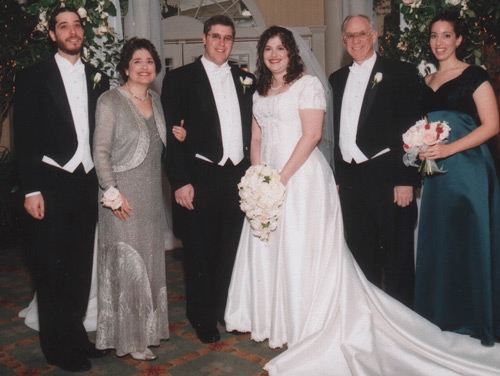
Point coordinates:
pixel 277 87
pixel 135 96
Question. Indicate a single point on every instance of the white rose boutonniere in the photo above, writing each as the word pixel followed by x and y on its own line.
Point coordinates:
pixel 377 79
pixel 112 199
pixel 96 79
pixel 246 82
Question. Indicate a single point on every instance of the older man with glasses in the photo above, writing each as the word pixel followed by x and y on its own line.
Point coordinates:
pixel 375 102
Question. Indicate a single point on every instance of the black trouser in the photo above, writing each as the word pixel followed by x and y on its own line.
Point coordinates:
pixel 64 243
pixel 211 239
pixel 379 232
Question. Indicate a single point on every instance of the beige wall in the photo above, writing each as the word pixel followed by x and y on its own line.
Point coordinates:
pixel 292 12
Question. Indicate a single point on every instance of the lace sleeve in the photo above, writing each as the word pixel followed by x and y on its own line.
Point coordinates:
pixel 311 94
pixel 103 140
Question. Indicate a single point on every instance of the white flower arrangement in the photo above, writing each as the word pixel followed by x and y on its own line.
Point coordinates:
pixel 379 76
pixel 246 82
pixel 112 199
pixel 418 138
pixel 261 197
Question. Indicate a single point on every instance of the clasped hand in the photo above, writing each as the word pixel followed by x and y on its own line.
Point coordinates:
pixel 437 151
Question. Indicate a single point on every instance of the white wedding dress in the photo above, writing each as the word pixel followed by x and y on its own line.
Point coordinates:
pixel 304 288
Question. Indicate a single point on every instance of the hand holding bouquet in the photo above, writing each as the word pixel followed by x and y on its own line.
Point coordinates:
pixel 262 195
pixel 418 138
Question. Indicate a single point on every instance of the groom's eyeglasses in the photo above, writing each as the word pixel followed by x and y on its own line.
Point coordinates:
pixel 363 35
pixel 218 37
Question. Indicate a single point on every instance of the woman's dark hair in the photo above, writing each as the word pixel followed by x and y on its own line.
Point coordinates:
pixel 451 17
pixel 128 50
pixel 295 65
pixel 458 27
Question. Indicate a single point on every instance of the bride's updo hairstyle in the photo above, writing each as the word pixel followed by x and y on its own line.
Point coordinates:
pixel 458 27
pixel 295 65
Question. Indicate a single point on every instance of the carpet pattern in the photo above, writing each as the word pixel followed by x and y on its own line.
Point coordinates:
pixel 182 355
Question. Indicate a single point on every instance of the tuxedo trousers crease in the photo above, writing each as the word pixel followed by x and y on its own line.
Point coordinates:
pixel 378 231
pixel 211 238
pixel 64 243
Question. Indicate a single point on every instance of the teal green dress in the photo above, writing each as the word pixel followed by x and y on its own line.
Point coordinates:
pixel 458 251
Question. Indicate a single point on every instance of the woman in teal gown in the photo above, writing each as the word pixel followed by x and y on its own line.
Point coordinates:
pixel 458 249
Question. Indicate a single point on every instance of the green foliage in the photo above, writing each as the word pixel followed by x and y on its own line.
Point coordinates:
pixel 25 40
pixel 482 30
pixel 101 46
pixel 14 36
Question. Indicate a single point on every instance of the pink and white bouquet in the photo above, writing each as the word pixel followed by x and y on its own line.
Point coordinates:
pixel 261 197
pixel 112 199
pixel 418 138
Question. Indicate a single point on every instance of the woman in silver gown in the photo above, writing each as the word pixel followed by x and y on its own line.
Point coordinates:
pixel 128 143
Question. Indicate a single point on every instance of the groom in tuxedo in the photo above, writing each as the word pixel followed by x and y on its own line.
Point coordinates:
pixel 375 102
pixel 214 100
pixel 53 125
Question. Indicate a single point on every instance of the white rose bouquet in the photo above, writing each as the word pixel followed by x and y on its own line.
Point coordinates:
pixel 418 138
pixel 112 199
pixel 262 195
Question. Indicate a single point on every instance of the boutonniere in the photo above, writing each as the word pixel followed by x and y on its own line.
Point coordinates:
pixel 377 79
pixel 96 78
pixel 246 82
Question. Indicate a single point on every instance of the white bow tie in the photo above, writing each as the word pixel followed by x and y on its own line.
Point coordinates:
pixel 357 69
pixel 80 68
pixel 223 70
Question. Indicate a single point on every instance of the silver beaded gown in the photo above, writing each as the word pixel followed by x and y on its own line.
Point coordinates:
pixel 131 262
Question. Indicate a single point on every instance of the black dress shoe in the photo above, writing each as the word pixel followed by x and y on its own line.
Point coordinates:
pixel 74 364
pixel 90 351
pixel 207 334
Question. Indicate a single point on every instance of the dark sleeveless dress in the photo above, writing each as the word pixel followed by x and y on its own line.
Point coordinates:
pixel 458 251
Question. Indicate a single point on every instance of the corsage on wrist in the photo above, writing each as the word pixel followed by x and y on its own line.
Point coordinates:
pixel 112 199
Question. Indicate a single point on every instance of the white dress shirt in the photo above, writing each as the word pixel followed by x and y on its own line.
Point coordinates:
pixel 75 85
pixel 352 101
pixel 228 108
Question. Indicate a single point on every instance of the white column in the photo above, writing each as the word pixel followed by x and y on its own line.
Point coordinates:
pixel 334 49
pixel 143 20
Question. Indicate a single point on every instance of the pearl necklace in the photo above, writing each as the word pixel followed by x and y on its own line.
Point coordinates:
pixel 135 96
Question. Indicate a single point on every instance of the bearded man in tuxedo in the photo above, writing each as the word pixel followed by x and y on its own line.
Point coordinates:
pixel 54 114
pixel 375 102
pixel 214 100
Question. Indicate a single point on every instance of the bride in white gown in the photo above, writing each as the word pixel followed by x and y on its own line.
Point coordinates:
pixel 304 288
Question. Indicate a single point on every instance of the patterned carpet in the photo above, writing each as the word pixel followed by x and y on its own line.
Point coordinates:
pixel 182 355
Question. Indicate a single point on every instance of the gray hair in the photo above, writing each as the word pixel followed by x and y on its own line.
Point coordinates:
pixel 351 16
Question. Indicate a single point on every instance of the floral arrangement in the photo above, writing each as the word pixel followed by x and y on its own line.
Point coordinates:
pixel 418 138
pixel 262 194
pixel 112 199
pixel 24 33
pixel 409 40
pixel 101 46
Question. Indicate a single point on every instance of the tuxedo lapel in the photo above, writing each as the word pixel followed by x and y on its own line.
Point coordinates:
pixel 206 94
pixel 57 91
pixel 338 96
pixel 91 94
pixel 370 93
